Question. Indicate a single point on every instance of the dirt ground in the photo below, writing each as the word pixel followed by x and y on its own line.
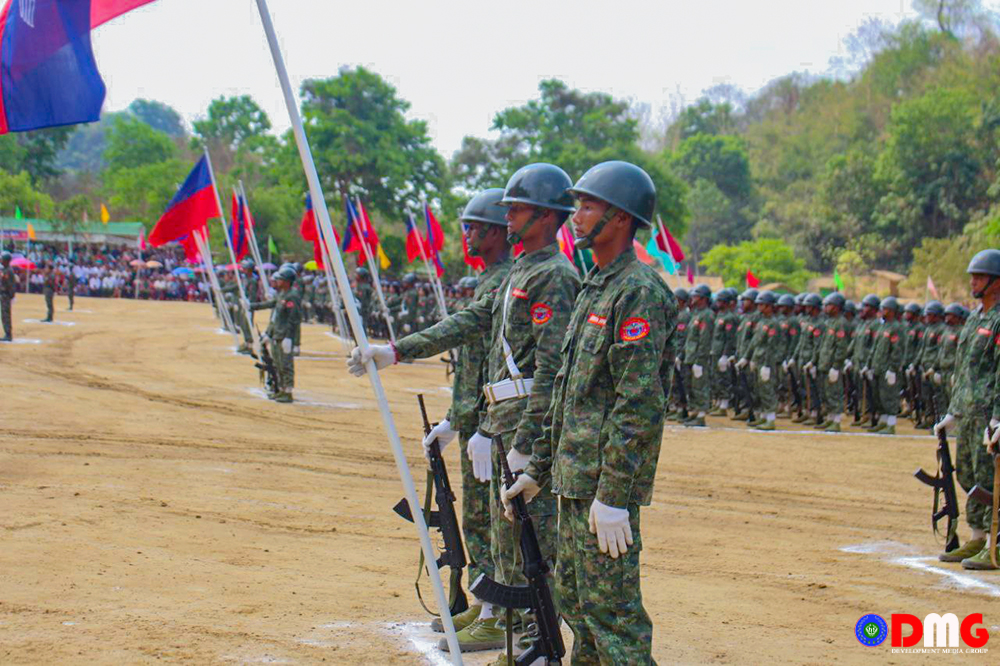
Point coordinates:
pixel 154 506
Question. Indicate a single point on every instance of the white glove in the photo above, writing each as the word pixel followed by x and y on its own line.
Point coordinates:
pixel 245 304
pixel 677 363
pixel 937 377
pixel 910 369
pixel 723 363
pixel 890 377
pixel 516 460
pixel 265 339
pixel 995 427
pixel 870 374
pixel 524 485
pixel 286 345
pixel 833 376
pixel 614 534
pixel 296 350
pixel 443 433
pixel 791 363
pixel 383 355
pixel 784 365
pixel 848 364
pixel 406 328
pixel 765 374
pixel 946 424
pixel 753 366
pixel 808 365
pixel 479 451
pixel 812 370
pixel 420 320
pixel 390 318
pixel 742 363
pixel 696 371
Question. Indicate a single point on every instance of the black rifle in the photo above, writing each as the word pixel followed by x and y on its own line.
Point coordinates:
pixel 943 482
pixel 265 364
pixel 793 386
pixel 548 643
pixel 745 383
pixel 682 398
pixel 736 392
pixel 870 392
pixel 451 364
pixel 918 391
pixel 444 519
pixel 817 400
pixel 851 392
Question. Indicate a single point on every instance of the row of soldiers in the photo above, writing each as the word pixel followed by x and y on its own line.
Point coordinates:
pixel 52 281
pixel 809 358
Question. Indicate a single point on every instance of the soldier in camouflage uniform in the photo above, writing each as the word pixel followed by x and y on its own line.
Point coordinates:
pixel 69 282
pixel 885 365
pixel 913 328
pixel 409 304
pixel 724 346
pixel 285 321
pixel 529 316
pixel 863 340
pixel 679 339
pixel 834 346
pixel 934 330
pixel 973 399
pixel 761 361
pixel 698 356
pixel 744 333
pixel 49 285
pixel 601 439
pixel 231 289
pixel 486 234
pixel 941 372
pixel 8 288
pixel 788 324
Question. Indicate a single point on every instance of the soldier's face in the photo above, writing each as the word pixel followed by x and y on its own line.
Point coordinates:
pixel 587 215
pixel 475 234
pixel 831 310
pixel 980 283
pixel 517 217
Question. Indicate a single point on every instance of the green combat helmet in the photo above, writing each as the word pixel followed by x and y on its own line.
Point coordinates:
pixel 766 297
pixel 362 272
pixel 485 207
pixel 286 273
pixel 703 291
pixel 890 303
pixel 835 298
pixel 544 186
pixel 410 279
pixel 986 262
pixel 934 308
pixel 623 185
pixel 872 301
pixel 682 295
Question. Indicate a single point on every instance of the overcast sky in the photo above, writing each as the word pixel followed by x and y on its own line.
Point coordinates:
pixel 459 62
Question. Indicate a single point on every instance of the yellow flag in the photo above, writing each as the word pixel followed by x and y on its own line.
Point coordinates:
pixel 31 232
pixel 105 215
pixel 383 259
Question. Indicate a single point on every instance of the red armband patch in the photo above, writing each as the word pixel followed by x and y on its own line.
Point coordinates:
pixel 682 326
pixel 894 339
pixel 289 304
pixel 518 293
pixel 601 321
pixel 729 327
pixel 841 334
pixel 634 328
pixel 985 331
pixel 772 331
pixel 540 313
pixel 816 332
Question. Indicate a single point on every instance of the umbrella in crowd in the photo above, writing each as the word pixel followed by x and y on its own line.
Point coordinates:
pixel 183 272
pixel 21 262
pixel 311 265
pixel 138 263
pixel 152 263
pixel 268 266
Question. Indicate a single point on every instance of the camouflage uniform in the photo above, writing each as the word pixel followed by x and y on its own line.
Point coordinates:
pixel 807 351
pixel 744 333
pixel 763 353
pixel 8 288
pixel 539 292
pixel 833 349
pixel 934 335
pixel 601 440
pixel 409 310
pixel 467 389
pixel 698 351
pixel 365 299
pixel 944 365
pixel 286 318
pixel 790 331
pixel 974 392
pixel 723 344
pixel 49 291
pixel 678 340
pixel 887 356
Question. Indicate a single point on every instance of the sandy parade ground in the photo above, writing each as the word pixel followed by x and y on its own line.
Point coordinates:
pixel 155 506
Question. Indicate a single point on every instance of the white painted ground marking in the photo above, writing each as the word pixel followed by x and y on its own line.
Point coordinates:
pixel 22 341
pixel 57 322
pixel 903 555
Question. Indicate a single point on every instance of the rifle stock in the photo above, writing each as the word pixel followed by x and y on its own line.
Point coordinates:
pixel 943 483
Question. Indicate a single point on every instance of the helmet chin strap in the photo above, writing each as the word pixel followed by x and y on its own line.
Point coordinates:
pixel 982 292
pixel 588 240
pixel 478 237
pixel 515 237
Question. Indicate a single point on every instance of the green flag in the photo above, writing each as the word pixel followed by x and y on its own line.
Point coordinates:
pixel 271 247
pixel 17 213
pixel 837 282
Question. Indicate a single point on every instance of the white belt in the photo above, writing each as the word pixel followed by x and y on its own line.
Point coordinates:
pixel 508 389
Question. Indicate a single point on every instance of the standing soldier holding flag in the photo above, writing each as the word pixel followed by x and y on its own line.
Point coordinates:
pixel 526 321
pixel 601 438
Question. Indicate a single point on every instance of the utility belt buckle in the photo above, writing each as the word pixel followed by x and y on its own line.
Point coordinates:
pixel 508 389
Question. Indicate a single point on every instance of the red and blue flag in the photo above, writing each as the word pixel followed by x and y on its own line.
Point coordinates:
pixel 238 230
pixel 435 236
pixel 191 208
pixel 414 241
pixel 48 75
pixel 311 232
pixel 352 241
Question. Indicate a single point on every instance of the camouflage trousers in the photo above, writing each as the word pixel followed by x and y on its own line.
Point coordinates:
pixel 888 396
pixel 505 537
pixel 5 309
pixel 50 305
pixel 599 597
pixel 973 465
pixel 285 363
pixel 935 398
pixel 767 393
pixel 241 323
pixel 699 389
pixel 833 394
pixel 475 515
pixel 70 295
pixel 722 384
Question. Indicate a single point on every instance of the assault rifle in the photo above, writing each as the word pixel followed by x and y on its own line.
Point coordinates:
pixel 745 383
pixel 816 400
pixel 265 364
pixel 451 364
pixel 548 643
pixel 851 393
pixel 735 382
pixel 444 519
pixel 984 496
pixel 681 391
pixel 793 387
pixel 943 483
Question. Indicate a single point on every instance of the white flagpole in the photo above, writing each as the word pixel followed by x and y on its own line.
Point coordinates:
pixel 206 259
pixel 232 257
pixel 432 271
pixel 319 205
pixel 376 280
pixel 254 250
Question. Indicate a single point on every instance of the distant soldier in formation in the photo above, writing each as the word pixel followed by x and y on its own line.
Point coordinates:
pixel 724 347
pixel 762 360
pixel 69 281
pixel 285 320
pixel 678 340
pixel 8 288
pixel 833 349
pixel 698 355
pixel 49 286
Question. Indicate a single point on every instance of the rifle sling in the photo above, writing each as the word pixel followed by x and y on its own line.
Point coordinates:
pixel 453 586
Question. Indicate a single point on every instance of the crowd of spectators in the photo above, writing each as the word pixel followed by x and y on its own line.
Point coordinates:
pixel 111 271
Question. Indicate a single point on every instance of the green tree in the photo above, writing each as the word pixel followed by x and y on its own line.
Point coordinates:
pixel 770 260
pixel 143 192
pixel 721 160
pixel 132 143
pixel 33 152
pixel 17 191
pixel 159 116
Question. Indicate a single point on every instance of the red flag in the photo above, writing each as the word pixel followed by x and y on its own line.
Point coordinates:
pixel 435 236
pixel 665 241
pixel 187 241
pixel 307 228
pixel 641 253
pixel 102 11
pixel 931 288
pixel 414 240
pixel 566 242
pixel 752 281
pixel 352 242
pixel 371 238
pixel 690 275
pixel 477 263
pixel 191 208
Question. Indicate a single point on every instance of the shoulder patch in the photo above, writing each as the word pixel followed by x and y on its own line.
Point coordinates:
pixel 634 328
pixel 598 321
pixel 540 313
pixel 985 331
pixel 894 339
pixel 729 327
pixel 518 293
pixel 289 304
pixel 681 326
pixel 841 334
pixel 817 332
